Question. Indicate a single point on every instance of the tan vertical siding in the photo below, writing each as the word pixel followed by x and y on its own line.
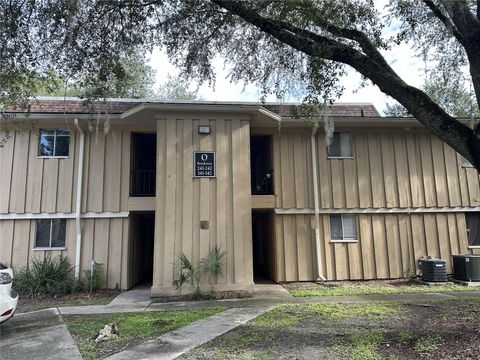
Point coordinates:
pixel 33 196
pixel 389 169
pixel 222 204
pixel 102 242
pixel 19 172
pixel 363 166
pixel 6 241
pixel 182 201
pixel 33 185
pixel 389 246
pixel 112 180
pixel 6 161
pixel 66 179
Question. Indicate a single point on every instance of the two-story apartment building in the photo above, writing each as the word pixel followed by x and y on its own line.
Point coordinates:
pixel 172 178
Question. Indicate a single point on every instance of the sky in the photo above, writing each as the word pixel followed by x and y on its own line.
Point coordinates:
pixel 401 58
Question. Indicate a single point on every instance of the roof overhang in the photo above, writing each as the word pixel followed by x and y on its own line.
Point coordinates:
pixel 151 111
pixel 358 122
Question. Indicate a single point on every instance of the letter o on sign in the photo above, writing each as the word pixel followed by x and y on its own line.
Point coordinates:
pixel 204 164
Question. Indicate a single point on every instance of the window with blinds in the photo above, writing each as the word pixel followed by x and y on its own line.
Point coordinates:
pixel 343 227
pixel 341 146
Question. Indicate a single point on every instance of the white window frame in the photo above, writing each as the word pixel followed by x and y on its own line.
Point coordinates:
pixel 464 163
pixel 340 157
pixel 55 135
pixel 50 239
pixel 468 243
pixel 343 240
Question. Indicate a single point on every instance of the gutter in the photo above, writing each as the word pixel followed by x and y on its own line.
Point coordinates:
pixel 78 205
pixel 316 204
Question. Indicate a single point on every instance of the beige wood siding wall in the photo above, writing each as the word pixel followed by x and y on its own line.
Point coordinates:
pixel 388 246
pixel 390 169
pixel 182 201
pixel 104 240
pixel 35 185
pixel 48 185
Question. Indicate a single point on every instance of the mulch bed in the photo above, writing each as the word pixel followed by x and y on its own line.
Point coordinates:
pixel 312 284
pixel 44 301
pixel 219 295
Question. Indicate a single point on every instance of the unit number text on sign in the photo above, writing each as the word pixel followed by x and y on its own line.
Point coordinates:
pixel 204 164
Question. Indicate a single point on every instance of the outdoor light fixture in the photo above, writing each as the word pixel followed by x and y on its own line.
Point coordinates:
pixel 204 129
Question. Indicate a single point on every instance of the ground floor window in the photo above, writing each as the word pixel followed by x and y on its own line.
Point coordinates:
pixel 50 233
pixel 473 228
pixel 343 227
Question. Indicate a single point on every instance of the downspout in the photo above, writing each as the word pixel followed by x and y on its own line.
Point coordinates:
pixel 316 204
pixel 79 201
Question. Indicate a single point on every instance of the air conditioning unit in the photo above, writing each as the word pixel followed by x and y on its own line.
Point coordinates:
pixel 434 270
pixel 466 267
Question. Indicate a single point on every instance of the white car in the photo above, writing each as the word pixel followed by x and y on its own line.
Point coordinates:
pixel 8 297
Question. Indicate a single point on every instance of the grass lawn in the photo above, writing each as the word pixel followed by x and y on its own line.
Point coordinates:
pixel 373 331
pixel 32 303
pixel 369 288
pixel 132 328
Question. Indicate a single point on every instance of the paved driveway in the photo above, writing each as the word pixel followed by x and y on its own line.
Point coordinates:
pixel 39 335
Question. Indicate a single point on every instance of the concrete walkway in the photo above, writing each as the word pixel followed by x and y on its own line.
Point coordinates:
pixel 39 335
pixel 43 333
pixel 175 343
pixel 260 301
pixel 139 295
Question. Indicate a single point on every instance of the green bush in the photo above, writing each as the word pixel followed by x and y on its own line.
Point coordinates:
pixel 212 263
pixel 45 276
pixel 93 282
pixel 189 274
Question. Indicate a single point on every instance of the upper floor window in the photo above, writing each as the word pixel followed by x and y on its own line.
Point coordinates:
pixel 473 228
pixel 53 142
pixel 341 145
pixel 50 233
pixel 343 227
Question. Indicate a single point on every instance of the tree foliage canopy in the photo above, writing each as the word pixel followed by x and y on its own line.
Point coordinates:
pixel 449 92
pixel 297 45
pixel 138 82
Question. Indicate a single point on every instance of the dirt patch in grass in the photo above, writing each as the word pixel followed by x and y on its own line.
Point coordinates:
pixel 373 287
pixel 38 302
pixel 133 328
pixel 447 329
pixel 218 295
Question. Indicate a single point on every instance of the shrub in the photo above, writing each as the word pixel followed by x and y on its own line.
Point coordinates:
pixel 187 274
pixel 45 276
pixel 212 263
pixel 93 281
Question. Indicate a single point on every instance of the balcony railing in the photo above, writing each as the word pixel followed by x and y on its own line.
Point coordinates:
pixel 262 182
pixel 142 183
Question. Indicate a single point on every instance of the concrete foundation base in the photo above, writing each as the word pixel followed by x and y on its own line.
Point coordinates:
pixel 161 291
pixel 466 283
pixel 437 283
